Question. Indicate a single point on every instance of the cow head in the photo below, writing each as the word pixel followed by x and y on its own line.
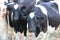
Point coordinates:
pixel 17 10
pixel 37 21
pixel 13 9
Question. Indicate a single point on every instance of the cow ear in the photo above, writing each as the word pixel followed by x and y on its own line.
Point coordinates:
pixel 9 5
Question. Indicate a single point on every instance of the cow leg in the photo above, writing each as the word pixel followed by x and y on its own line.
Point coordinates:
pixel 24 29
pixel 51 30
pixel 25 32
pixel 16 25
pixel 44 33
pixel 17 36
pixel 25 35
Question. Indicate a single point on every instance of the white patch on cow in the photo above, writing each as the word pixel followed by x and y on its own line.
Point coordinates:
pixel 17 36
pixel 12 16
pixel 43 9
pixel 51 29
pixel 16 6
pixel 25 38
pixel 27 25
pixel 10 3
pixel 32 15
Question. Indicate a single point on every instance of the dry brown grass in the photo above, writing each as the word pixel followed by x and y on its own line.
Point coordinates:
pixel 29 36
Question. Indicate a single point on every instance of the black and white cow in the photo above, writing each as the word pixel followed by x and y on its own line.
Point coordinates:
pixel 18 16
pixel 17 19
pixel 42 17
pixel 28 4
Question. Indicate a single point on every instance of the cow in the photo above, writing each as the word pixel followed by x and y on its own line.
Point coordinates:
pixel 18 16
pixel 17 19
pixel 42 17
pixel 24 4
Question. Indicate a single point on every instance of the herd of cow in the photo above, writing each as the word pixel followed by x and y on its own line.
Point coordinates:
pixel 39 16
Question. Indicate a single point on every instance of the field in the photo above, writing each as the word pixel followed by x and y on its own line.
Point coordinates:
pixel 54 36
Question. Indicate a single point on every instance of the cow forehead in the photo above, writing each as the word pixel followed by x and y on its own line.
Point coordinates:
pixel 43 9
pixel 16 6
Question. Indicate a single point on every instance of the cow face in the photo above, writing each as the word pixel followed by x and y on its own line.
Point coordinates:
pixel 13 12
pixel 16 11
pixel 13 8
pixel 31 23
pixel 38 20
